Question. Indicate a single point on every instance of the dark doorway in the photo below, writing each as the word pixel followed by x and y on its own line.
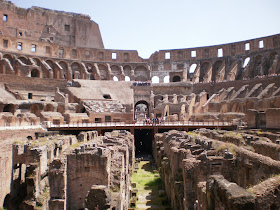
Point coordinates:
pixel 143 142
pixel 176 79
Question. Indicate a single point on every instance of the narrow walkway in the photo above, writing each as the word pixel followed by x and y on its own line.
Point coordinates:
pixel 151 194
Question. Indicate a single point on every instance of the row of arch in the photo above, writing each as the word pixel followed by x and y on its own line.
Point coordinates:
pixel 35 67
pixel 259 64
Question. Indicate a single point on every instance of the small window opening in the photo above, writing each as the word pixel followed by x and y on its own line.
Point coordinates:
pixel 193 54
pixel 74 52
pixel 127 78
pixel 101 55
pixel 30 95
pixel 261 44
pixel 5 43
pixel 33 48
pixel 60 53
pixel 87 54
pixel 114 56
pixel 220 52
pixel 115 79
pixel 107 96
pixel 5 18
pixel 126 56
pixel 19 33
pixel 51 38
pixel 19 46
pixel 48 50
pixel 67 27
pixel 107 118
pixel 180 54
pixel 167 55
pixel 247 46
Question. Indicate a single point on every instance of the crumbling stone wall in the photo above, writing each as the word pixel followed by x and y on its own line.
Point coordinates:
pixel 187 160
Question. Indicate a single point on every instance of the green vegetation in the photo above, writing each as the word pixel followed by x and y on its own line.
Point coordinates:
pixel 74 146
pixel 148 183
pixel 228 146
pixel 43 197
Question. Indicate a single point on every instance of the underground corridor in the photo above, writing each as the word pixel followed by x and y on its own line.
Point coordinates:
pixel 143 140
pixel 147 187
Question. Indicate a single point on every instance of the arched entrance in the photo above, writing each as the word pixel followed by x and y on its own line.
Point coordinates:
pixel 35 73
pixel 176 78
pixel 141 110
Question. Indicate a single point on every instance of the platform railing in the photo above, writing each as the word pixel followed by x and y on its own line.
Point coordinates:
pixel 141 124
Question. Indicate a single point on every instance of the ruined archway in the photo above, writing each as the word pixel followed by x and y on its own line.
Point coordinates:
pixel 141 73
pixel 203 70
pixel 35 109
pixel 64 71
pixel 116 71
pixel 23 60
pixel 141 110
pixel 49 108
pixel 9 108
pixel 76 70
pixel 103 72
pixel 176 78
pixel 35 73
pixel 127 70
pixel 216 67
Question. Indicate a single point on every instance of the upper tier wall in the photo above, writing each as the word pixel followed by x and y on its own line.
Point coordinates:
pixel 39 24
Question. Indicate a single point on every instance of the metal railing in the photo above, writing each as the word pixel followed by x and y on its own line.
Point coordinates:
pixel 141 124
pixel 21 127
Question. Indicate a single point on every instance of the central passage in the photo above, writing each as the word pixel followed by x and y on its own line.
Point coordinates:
pixel 147 187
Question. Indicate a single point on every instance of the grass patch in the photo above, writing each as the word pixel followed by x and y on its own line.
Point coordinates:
pixel 148 184
pixel 227 146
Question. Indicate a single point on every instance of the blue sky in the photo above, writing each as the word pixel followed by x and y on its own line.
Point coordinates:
pixel 152 25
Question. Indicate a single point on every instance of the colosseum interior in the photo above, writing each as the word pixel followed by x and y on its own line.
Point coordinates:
pixel 80 123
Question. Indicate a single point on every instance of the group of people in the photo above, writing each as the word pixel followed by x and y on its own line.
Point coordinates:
pixel 139 83
pixel 157 120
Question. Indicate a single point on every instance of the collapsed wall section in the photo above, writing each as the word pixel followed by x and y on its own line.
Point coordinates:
pixel 187 160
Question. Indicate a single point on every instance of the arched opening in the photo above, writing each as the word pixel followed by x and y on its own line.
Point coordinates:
pixel 115 79
pixel 10 58
pixel 49 108
pixel 23 60
pixel 258 60
pixel 76 69
pixel 9 108
pixel 141 73
pixel 203 69
pixel 34 108
pixel 127 70
pixel 50 63
pixel 116 71
pixel 246 62
pixel 141 110
pixel 166 79
pixel 64 70
pixel 127 78
pixel 192 68
pixel 36 61
pixel 216 67
pixel 35 73
pixel 176 78
pixel 155 79
pixel 103 72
